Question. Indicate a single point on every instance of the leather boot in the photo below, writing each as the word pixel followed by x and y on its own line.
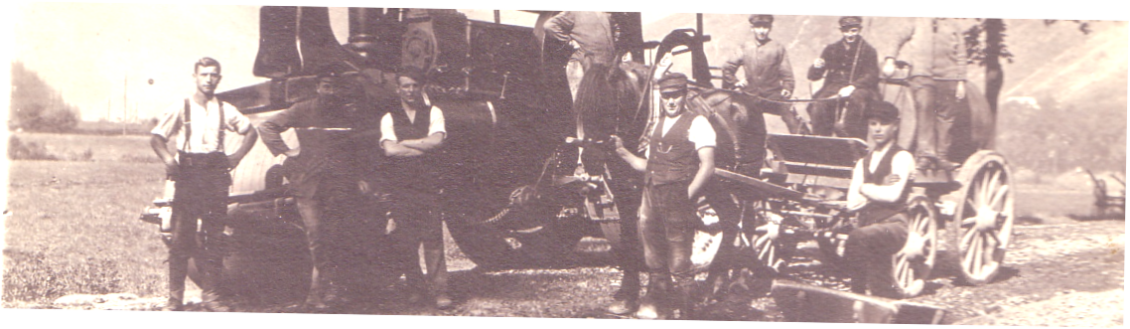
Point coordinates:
pixel 653 304
pixel 626 299
pixel 681 296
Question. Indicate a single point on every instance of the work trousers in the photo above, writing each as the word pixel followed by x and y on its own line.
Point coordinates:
pixel 418 223
pixel 935 106
pixel 666 228
pixel 200 196
pixel 784 110
pixel 574 72
pixel 823 113
pixel 868 254
pixel 322 214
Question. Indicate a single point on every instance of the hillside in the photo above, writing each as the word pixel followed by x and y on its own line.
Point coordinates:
pixel 1057 66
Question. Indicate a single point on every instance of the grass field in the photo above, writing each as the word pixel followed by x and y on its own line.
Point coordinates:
pixel 74 229
pixel 129 148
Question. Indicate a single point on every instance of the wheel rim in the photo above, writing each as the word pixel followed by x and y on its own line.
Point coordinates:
pixel 914 262
pixel 983 220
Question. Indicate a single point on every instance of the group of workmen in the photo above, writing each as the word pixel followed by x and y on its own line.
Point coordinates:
pixel 329 174
pixel 677 149
pixel 676 159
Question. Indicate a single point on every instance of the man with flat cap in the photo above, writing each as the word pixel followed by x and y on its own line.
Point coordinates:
pixel 324 170
pixel 768 74
pixel 677 165
pixel 878 193
pixel 850 69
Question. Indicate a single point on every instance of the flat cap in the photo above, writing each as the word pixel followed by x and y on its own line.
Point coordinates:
pixel 673 82
pixel 756 19
pixel 884 111
pixel 849 21
pixel 413 72
pixel 333 69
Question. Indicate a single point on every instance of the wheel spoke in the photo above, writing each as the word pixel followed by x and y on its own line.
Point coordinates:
pixel 923 224
pixel 998 198
pixel 995 181
pixel 772 252
pixel 983 187
pixel 970 250
pixel 903 270
pixel 965 239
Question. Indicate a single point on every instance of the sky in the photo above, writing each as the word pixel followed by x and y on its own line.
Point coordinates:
pixel 101 56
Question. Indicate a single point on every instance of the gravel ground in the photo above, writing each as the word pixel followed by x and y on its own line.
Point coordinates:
pixel 1079 282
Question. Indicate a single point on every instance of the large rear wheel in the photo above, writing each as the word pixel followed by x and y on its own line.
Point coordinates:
pixel 982 225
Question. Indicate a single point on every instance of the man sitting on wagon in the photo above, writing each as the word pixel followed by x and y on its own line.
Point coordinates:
pixel 878 192
pixel 850 69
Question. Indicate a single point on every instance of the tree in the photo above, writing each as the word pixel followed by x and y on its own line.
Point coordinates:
pixel 990 53
pixel 36 106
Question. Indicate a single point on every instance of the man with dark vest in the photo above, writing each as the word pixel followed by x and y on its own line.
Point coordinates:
pixel 679 162
pixel 850 69
pixel 324 170
pixel 878 192
pixel 200 170
pixel 410 136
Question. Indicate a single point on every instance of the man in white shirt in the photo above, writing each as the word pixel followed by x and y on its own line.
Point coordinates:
pixel 878 192
pixel 410 135
pixel 200 170
pixel 678 163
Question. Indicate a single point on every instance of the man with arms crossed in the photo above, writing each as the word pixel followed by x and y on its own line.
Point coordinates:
pixel 878 192
pixel 411 135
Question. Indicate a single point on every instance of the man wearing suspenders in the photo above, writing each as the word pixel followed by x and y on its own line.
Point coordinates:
pixel 200 170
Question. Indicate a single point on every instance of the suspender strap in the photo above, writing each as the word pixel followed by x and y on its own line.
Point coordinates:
pixel 188 126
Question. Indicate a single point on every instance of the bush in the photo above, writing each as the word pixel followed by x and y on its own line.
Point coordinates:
pixel 17 150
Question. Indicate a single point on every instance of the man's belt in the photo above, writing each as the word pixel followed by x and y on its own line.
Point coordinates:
pixel 197 160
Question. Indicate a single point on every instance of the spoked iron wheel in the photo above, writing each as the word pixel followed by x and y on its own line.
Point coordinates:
pixel 768 239
pixel 914 262
pixel 982 225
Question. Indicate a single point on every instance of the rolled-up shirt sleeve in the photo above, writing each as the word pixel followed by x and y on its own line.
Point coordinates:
pixel 701 133
pixel 387 131
pixel 236 121
pixel 437 124
pixel 270 131
pixel 170 121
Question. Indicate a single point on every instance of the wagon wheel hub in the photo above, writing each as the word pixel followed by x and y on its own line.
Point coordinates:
pixel 915 247
pixel 986 220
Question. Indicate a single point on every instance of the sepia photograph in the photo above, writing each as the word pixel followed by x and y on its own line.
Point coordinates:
pixel 309 161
